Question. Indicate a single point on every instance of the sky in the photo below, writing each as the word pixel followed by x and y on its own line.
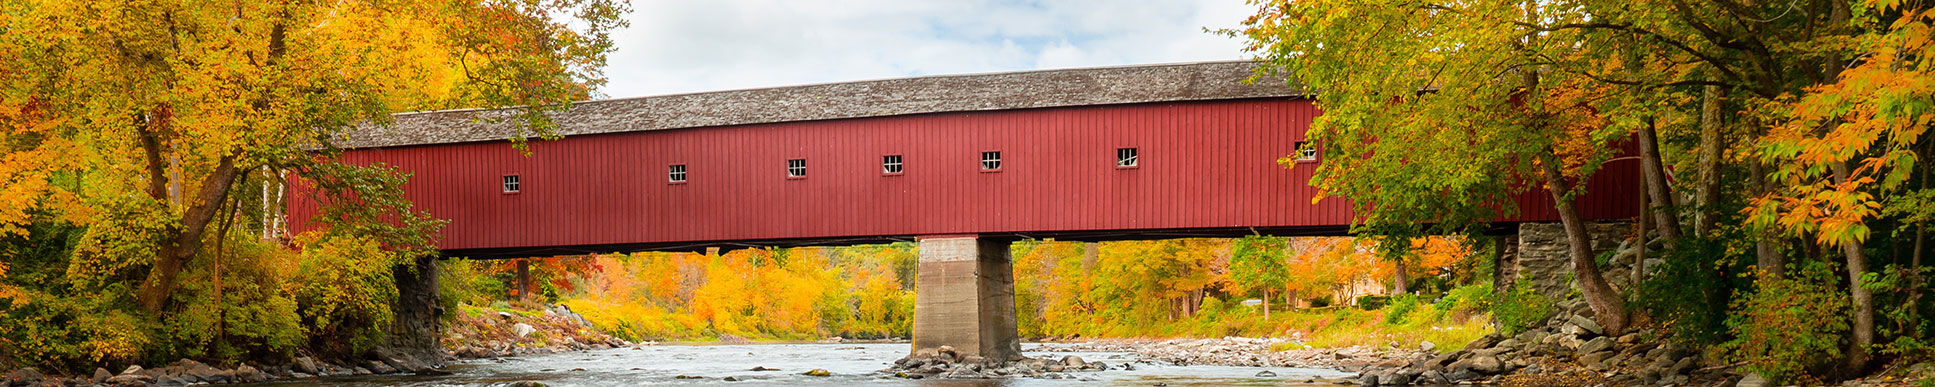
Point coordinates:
pixel 681 46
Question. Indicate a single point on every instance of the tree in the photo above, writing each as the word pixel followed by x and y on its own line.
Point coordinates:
pixel 1258 263
pixel 1436 113
pixel 1852 146
pixel 182 101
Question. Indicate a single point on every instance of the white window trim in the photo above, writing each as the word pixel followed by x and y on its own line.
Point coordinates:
pixel 796 172
pixel 1305 154
pixel 893 164
pixel 991 164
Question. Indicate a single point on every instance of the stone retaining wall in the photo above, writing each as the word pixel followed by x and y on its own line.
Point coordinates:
pixel 1542 258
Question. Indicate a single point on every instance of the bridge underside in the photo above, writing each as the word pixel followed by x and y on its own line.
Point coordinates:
pixel 1073 236
pixel 964 297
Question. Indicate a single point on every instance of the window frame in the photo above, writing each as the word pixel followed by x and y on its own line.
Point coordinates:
pixel 676 174
pixel 1303 156
pixel 996 165
pixel 511 184
pixel 790 168
pixel 893 165
pixel 1133 159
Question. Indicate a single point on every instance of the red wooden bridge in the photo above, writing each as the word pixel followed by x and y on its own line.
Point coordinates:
pixel 963 163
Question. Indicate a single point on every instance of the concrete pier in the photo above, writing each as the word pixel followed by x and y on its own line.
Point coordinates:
pixel 966 298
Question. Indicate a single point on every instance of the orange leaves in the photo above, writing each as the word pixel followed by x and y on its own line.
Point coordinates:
pixel 1849 144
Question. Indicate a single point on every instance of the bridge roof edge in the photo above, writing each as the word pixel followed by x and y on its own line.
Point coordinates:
pixel 1173 82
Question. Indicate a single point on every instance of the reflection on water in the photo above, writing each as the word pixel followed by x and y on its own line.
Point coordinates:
pixel 849 364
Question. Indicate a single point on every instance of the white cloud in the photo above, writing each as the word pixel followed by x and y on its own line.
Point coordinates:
pixel 676 46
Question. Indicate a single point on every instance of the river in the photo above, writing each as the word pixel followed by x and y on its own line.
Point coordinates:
pixel 850 365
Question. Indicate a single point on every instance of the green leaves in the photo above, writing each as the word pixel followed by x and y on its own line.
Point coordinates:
pixel 1789 324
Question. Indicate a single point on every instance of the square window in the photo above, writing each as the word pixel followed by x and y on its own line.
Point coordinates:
pixel 991 161
pixel 796 168
pixel 511 184
pixel 675 173
pixel 1306 151
pixel 890 164
pixel 1126 157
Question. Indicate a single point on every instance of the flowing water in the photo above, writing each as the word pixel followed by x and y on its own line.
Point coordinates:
pixel 850 365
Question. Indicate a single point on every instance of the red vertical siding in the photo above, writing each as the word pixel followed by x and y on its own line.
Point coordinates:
pixel 1203 165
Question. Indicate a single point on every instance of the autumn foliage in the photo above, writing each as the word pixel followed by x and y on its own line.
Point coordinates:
pixel 147 148
pixel 1777 142
pixel 802 293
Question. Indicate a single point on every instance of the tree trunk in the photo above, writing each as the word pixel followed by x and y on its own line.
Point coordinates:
pixel 1656 186
pixel 1915 266
pixel 524 280
pixel 1767 254
pixel 1710 145
pixel 1915 260
pixel 1639 252
pixel 175 252
pixel 1403 284
pixel 1864 299
pixel 1266 305
pixel 1609 309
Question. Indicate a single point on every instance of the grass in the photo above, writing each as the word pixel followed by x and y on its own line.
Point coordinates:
pixel 1335 328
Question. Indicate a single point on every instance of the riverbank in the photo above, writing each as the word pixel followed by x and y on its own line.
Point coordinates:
pixel 478 333
pixel 1246 352
pixel 475 333
pixel 190 372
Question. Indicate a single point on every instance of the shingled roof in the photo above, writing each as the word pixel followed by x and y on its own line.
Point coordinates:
pixel 888 97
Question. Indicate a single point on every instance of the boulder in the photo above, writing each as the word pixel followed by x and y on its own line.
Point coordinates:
pixel 195 371
pixel 1266 374
pixel 378 367
pixel 1596 359
pixel 1445 360
pixel 131 379
pixel 1596 345
pixel 1396 379
pixel 1586 324
pixel 1487 365
pixel 24 376
pixel 1482 342
pixel 307 365
pixel 133 369
pixel 1753 380
pixel 1368 380
pixel 1432 377
pixel 1073 361
pixel 249 374
pixel 101 375
pixel 522 330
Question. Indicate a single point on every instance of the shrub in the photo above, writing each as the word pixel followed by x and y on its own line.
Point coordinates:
pixel 1372 302
pixel 344 289
pixel 1468 298
pixel 463 281
pixel 1788 323
pixel 1520 309
pixel 1400 308
pixel 1689 293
